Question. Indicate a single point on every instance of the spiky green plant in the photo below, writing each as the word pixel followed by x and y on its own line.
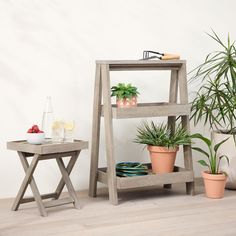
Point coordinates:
pixel 213 162
pixel 161 135
pixel 122 91
pixel 215 101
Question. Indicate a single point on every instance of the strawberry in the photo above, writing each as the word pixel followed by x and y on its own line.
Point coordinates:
pixel 40 131
pixel 30 131
pixel 35 129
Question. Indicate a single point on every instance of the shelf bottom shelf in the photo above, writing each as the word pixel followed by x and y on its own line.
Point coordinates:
pixel 180 175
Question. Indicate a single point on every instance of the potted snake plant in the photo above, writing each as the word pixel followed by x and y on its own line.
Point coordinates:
pixel 215 101
pixel 162 144
pixel 214 178
pixel 126 95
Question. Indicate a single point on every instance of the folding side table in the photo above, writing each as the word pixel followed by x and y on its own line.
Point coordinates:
pixel 44 152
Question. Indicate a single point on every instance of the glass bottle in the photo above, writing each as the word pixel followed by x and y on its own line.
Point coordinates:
pixel 48 118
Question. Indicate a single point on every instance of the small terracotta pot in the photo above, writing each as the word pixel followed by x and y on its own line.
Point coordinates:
pixel 126 102
pixel 162 158
pixel 214 184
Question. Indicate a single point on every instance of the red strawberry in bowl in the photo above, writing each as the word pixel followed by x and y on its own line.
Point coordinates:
pixel 30 131
pixel 35 129
pixel 35 135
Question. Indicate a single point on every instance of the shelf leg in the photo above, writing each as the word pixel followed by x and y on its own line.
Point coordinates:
pixel 111 169
pixel 183 90
pixel 95 133
pixel 167 186
pixel 190 188
pixel 173 93
pixel 188 162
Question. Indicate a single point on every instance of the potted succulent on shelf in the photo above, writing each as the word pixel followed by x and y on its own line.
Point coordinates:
pixel 162 144
pixel 214 178
pixel 126 95
pixel 215 101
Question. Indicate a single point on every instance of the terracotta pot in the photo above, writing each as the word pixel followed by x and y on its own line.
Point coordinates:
pixel 126 102
pixel 162 158
pixel 229 149
pixel 214 184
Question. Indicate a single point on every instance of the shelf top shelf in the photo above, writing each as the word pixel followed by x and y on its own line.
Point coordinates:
pixel 121 65
pixel 141 62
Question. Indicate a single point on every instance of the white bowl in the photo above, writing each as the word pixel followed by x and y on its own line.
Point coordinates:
pixel 35 138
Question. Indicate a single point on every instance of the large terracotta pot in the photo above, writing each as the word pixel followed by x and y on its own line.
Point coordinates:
pixel 214 184
pixel 229 149
pixel 162 158
pixel 126 102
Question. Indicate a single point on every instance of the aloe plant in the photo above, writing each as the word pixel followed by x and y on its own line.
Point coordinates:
pixel 215 101
pixel 122 91
pixel 161 135
pixel 213 162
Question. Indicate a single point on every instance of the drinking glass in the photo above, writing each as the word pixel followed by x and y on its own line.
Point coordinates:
pixel 69 128
pixel 57 131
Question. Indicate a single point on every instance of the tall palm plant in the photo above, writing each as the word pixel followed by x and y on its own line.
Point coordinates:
pixel 215 101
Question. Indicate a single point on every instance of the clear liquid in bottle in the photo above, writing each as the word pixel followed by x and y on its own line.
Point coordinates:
pixel 48 118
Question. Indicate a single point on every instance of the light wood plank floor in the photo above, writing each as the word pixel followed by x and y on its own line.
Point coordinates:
pixel 144 212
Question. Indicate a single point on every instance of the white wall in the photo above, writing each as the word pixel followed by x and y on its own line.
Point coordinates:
pixel 49 48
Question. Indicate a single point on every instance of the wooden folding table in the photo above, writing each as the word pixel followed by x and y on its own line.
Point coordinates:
pixel 44 152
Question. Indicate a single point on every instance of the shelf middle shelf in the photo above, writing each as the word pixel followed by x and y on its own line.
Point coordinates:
pixel 150 110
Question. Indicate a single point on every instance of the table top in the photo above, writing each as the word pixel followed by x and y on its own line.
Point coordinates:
pixel 47 147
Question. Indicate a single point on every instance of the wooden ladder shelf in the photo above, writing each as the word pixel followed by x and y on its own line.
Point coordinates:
pixel 178 82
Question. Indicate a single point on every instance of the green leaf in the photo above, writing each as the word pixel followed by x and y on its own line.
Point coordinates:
pixel 203 163
pixel 220 158
pixel 204 139
pixel 200 150
pixel 216 147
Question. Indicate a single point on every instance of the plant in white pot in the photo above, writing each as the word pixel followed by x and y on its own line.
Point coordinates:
pixel 214 178
pixel 162 144
pixel 215 101
pixel 126 95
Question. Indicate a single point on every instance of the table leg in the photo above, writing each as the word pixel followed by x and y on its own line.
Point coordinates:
pixel 28 174
pixel 67 181
pixel 69 168
pixel 33 186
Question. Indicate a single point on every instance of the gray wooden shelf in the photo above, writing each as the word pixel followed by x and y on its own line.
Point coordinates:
pixel 129 65
pixel 179 175
pixel 150 110
pixel 170 109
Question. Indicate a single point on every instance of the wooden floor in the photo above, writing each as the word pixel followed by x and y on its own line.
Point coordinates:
pixel 144 212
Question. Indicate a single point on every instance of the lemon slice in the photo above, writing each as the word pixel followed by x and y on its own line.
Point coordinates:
pixel 57 124
pixel 69 126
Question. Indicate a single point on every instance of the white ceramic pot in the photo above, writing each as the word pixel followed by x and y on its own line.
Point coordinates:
pixel 229 149
pixel 35 138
